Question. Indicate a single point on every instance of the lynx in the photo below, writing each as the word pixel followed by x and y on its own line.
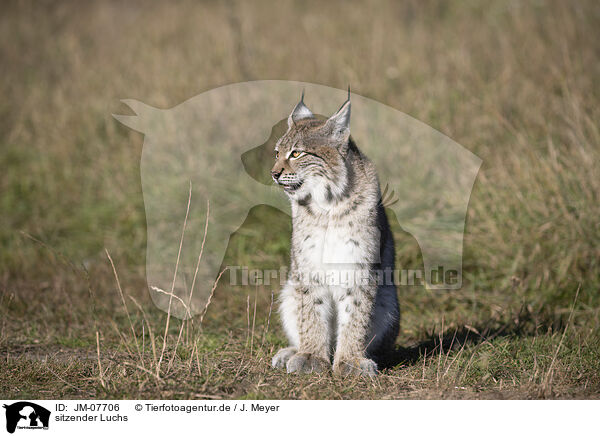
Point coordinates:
pixel 338 225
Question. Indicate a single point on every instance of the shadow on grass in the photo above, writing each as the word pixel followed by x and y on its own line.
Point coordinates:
pixel 525 323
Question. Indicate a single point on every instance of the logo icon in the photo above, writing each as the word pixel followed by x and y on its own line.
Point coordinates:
pixel 26 415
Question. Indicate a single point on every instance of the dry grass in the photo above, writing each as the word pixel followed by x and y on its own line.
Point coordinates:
pixel 515 82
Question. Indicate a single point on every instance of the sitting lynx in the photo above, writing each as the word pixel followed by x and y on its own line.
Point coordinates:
pixel 339 223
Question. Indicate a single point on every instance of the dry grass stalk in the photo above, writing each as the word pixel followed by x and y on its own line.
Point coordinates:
pixel 164 345
pixel 99 362
pixel 124 304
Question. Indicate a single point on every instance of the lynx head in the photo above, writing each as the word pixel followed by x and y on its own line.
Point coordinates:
pixel 310 158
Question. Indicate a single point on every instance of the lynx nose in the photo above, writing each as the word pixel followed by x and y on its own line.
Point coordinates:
pixel 276 174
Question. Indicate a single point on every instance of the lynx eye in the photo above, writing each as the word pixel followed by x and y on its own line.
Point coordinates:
pixel 294 154
pixel 276 154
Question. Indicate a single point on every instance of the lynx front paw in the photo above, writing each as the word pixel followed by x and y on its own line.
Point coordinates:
pixel 306 362
pixel 282 356
pixel 355 366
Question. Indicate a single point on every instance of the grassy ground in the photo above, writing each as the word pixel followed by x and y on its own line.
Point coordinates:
pixel 515 82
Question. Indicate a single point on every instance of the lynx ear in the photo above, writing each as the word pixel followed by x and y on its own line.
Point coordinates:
pixel 300 112
pixel 338 125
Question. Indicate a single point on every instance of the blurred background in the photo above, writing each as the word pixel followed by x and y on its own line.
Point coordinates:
pixel 515 82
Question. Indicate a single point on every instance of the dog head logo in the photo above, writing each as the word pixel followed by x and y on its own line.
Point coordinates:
pixel 212 156
pixel 26 415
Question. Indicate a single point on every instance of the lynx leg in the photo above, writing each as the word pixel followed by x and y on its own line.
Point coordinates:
pixel 304 316
pixel 354 325
pixel 313 310
pixel 288 314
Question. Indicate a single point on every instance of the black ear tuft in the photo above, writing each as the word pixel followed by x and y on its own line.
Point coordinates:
pixel 300 112
pixel 339 123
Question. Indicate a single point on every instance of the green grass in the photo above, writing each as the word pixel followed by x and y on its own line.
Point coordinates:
pixel 514 82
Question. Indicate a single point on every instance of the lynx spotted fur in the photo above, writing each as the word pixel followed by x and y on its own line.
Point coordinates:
pixel 340 229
